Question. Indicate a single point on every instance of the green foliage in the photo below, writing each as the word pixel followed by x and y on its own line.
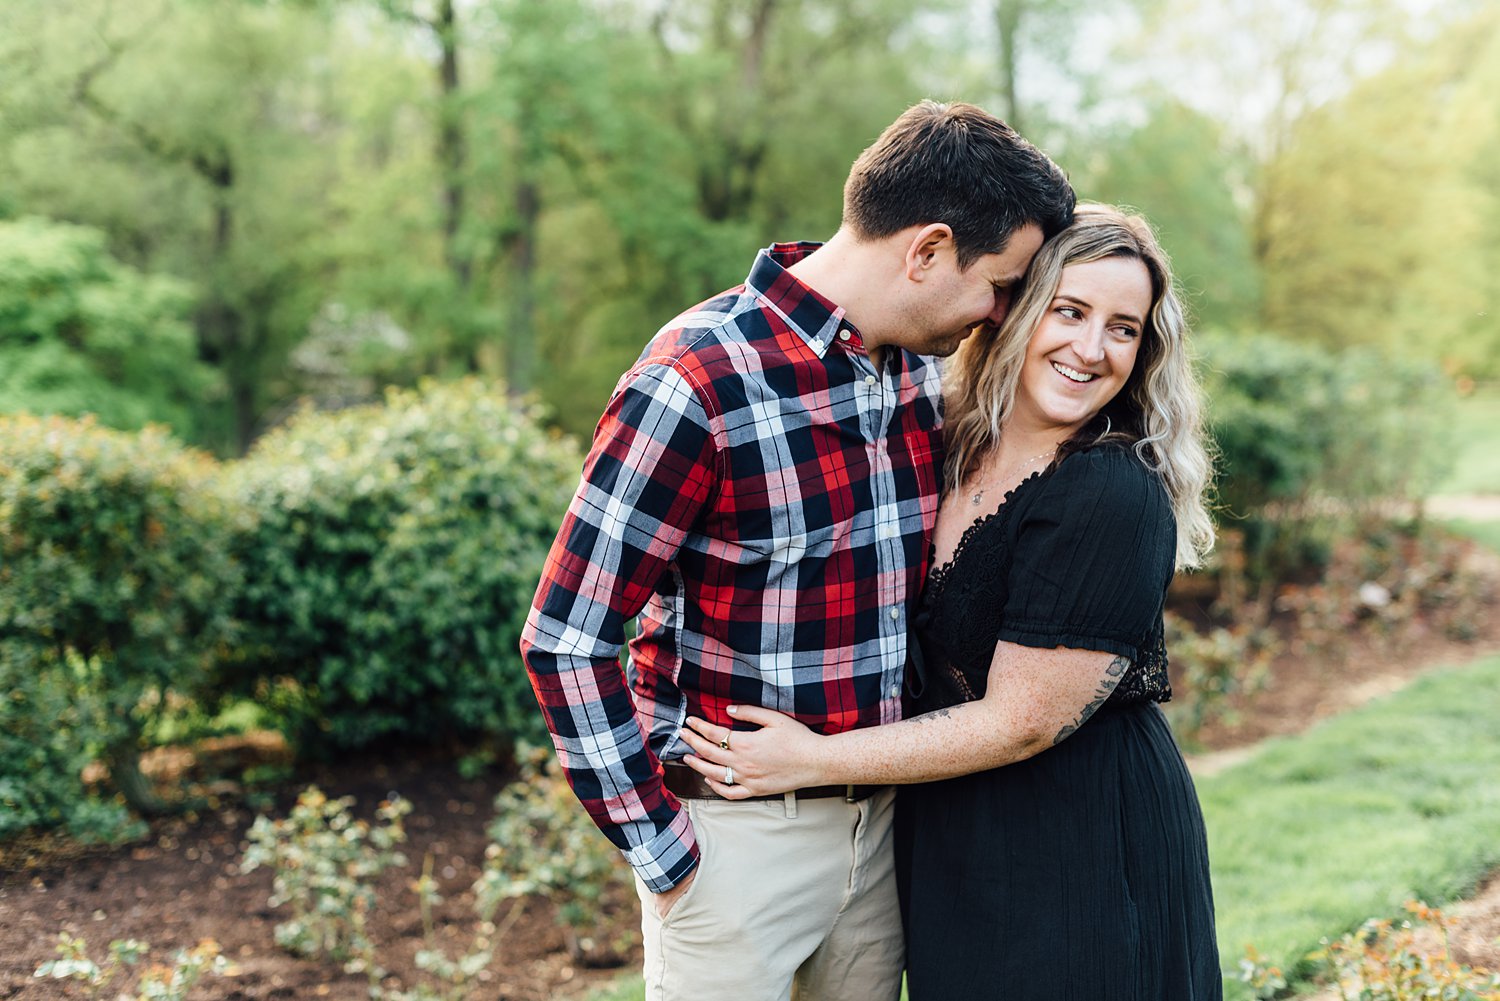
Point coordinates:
pixel 390 556
pixel 80 332
pixel 113 569
pixel 1389 580
pixel 1394 244
pixel 1266 980
pixel 1384 961
pixel 47 738
pixel 1211 668
pixel 1486 533
pixel 1177 170
pixel 172 981
pixel 449 978
pixel 544 843
pixel 195 135
pixel 325 863
pixel 1309 438
pixel 1475 441
pixel 580 170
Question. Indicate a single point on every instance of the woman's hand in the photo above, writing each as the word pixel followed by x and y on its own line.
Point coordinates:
pixel 779 757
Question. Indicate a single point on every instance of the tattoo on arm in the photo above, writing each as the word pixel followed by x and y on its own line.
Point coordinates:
pixel 1107 684
pixel 929 717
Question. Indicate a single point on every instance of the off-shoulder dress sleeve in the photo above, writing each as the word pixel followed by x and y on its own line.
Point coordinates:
pixel 1092 558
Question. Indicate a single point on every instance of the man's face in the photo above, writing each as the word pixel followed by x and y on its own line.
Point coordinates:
pixel 951 303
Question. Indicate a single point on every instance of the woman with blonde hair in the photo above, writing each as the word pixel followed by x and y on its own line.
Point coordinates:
pixel 1049 836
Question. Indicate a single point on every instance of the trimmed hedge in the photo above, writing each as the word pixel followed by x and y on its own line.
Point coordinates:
pixel 363 574
pixel 390 554
pixel 113 572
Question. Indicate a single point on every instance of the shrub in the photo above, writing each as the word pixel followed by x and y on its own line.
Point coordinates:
pixel 1210 669
pixel 1384 961
pixel 544 843
pixel 158 982
pixel 112 570
pixel 390 555
pixel 1392 580
pixel 1310 438
pixel 325 863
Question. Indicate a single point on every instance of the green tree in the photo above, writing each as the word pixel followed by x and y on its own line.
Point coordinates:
pixel 1387 224
pixel 731 125
pixel 82 333
pixel 187 130
pixel 1179 170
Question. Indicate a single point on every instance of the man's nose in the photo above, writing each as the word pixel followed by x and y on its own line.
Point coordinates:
pixel 1001 308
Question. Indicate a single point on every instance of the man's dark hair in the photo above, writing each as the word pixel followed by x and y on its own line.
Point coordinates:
pixel 959 165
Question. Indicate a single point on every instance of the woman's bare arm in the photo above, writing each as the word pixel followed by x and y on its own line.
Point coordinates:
pixel 1035 698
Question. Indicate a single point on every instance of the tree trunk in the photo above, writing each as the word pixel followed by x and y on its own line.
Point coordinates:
pixel 452 155
pixel 1008 24
pixel 452 144
pixel 521 332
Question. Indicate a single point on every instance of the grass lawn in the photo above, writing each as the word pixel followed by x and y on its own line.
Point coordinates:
pixel 630 988
pixel 1318 832
pixel 1486 533
pixel 1476 444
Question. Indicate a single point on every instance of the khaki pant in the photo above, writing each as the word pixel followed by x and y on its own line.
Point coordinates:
pixel 794 901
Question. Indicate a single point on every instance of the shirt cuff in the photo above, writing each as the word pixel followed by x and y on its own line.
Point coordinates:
pixel 666 859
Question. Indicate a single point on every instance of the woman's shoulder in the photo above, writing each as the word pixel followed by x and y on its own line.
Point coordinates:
pixel 1111 472
pixel 1103 490
pixel 1108 496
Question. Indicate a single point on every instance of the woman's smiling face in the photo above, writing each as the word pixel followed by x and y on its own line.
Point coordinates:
pixel 1085 348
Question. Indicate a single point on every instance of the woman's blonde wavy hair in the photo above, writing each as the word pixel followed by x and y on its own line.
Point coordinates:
pixel 1157 411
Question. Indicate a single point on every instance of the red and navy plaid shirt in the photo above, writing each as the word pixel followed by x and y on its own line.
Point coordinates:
pixel 763 499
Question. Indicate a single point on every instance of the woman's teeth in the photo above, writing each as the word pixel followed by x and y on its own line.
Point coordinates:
pixel 1074 374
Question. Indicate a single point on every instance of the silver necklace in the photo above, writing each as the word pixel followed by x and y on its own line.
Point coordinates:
pixel 978 496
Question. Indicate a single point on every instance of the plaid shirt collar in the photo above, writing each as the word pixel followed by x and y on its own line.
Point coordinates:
pixel 805 310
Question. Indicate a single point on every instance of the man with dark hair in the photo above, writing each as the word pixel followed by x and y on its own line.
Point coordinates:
pixel 760 492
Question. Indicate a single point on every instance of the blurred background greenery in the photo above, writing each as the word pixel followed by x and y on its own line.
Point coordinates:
pixel 213 209
pixel 341 248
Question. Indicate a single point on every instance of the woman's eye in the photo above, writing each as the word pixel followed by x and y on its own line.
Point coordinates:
pixel 1069 312
pixel 1127 332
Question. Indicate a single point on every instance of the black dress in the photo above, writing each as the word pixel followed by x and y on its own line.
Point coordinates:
pixel 1080 873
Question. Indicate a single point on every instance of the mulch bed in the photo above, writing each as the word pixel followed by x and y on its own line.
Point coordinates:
pixel 181 884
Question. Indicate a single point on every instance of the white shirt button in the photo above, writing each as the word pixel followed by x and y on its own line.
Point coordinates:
pixel 895 613
pixel 895 690
pixel 843 335
pixel 869 380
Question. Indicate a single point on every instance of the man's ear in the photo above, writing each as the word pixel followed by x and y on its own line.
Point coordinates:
pixel 925 247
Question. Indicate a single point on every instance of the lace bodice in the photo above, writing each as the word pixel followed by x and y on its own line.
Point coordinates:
pixel 1078 556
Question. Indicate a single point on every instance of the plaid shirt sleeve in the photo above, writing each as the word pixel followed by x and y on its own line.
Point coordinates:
pixel 646 479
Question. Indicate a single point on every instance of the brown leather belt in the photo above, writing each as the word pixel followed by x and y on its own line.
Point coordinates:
pixel 685 783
